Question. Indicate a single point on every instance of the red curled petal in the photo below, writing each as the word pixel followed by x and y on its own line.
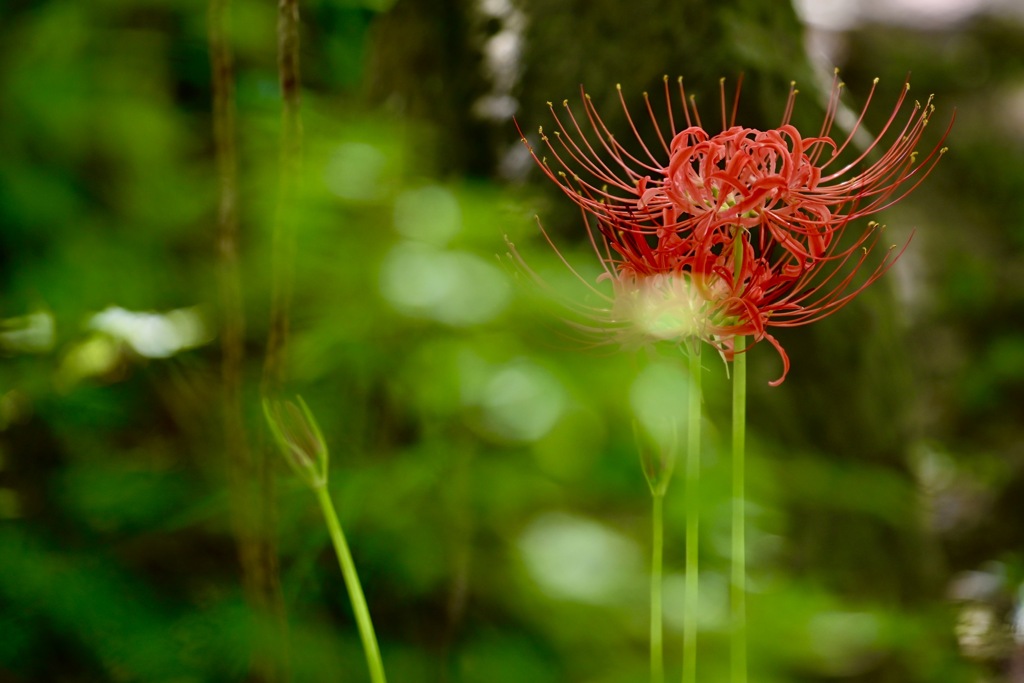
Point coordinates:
pixel 785 360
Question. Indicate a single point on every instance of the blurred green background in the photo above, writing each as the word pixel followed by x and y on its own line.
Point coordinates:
pixel 482 463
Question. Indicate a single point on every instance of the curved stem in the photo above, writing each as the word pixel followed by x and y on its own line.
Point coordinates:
pixel 692 519
pixel 355 590
pixel 738 584
pixel 657 552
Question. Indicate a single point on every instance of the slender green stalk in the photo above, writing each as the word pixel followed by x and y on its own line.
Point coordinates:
pixel 738 584
pixel 355 590
pixel 657 553
pixel 658 463
pixel 692 519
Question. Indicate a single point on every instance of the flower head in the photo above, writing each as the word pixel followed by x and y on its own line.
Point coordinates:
pixel 709 236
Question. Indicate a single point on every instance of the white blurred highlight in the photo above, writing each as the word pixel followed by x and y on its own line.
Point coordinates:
pixel 575 558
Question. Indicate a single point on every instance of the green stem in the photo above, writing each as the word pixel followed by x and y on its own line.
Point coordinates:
pixel 657 552
pixel 738 585
pixel 355 590
pixel 692 519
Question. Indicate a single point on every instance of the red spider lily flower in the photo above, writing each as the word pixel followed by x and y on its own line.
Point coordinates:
pixel 727 234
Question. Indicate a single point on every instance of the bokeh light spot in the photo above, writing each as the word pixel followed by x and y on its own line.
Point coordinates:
pixel 354 172
pixel 523 401
pixel 658 397
pixel 579 559
pixel 32 333
pixel 153 335
pixel 429 214
pixel 455 288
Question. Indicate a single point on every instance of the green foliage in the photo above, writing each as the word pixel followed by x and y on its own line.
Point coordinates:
pixel 480 456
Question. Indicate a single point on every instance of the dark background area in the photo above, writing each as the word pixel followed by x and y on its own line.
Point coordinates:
pixel 484 468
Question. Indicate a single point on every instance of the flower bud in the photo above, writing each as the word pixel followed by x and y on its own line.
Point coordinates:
pixel 657 458
pixel 297 434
